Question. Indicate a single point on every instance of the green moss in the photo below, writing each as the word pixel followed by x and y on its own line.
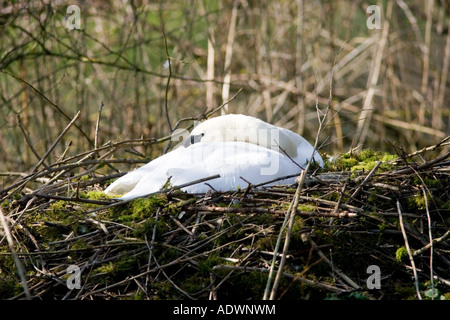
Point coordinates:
pixel 265 219
pixel 79 244
pixel 306 208
pixel 57 219
pixel 117 269
pixel 195 283
pixel 139 209
pixel 406 292
pixel 401 253
pixel 85 178
pixel 5 204
pixel 266 243
pixel 364 160
pixel 175 207
pixel 343 164
pixel 429 182
pixel 96 195
pixel 9 288
pixel 146 228
pixel 102 164
pixel 416 202
pixel 206 267
pixel 364 166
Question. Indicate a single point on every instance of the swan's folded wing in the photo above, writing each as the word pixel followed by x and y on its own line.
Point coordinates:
pixel 235 162
pixel 129 181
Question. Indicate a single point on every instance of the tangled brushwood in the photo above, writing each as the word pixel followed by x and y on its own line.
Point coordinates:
pixel 367 226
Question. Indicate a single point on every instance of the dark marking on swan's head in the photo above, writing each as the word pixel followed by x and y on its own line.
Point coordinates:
pixel 193 139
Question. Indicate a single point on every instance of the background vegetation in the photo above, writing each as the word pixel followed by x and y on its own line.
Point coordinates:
pixel 388 84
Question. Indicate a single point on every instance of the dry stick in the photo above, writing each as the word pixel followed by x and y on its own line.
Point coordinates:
pixel 289 219
pixel 277 245
pixel 428 246
pixel 209 86
pixel 426 58
pixel 288 275
pixel 76 199
pixel 364 118
pixel 431 241
pixel 298 68
pixel 334 268
pixel 166 109
pixel 293 208
pixel 443 142
pixel 29 142
pixel 109 145
pixel 408 249
pixel 151 245
pixel 228 55
pixel 258 210
pixel 241 262
pixel 56 141
pixel 97 125
pixel 444 74
pixel 19 266
pixel 364 181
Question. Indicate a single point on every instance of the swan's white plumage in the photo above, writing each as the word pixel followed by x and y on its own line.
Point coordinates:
pixel 232 146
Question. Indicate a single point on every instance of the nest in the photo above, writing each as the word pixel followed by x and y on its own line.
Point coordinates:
pixel 365 227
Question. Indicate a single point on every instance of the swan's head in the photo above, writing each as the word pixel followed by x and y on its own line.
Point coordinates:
pixel 237 127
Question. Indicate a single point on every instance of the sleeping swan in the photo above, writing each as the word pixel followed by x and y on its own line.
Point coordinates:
pixel 239 148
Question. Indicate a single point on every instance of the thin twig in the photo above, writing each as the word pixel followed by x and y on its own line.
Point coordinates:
pixel 29 142
pixel 166 100
pixel 425 196
pixel 19 266
pixel 56 141
pixel 408 249
pixel 97 125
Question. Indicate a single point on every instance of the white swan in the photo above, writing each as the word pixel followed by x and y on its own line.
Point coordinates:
pixel 239 148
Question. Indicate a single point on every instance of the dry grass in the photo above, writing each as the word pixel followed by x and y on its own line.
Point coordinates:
pixel 389 84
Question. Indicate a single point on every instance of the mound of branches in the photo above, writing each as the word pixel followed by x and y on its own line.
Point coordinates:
pixel 367 226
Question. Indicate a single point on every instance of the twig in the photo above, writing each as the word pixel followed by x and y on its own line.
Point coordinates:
pixel 152 244
pixel 364 181
pixel 56 141
pixel 431 240
pixel 76 199
pixel 367 109
pixel 259 210
pixel 228 55
pixel 288 275
pixel 19 266
pixel 29 142
pixel 293 208
pixel 97 125
pixel 428 246
pixel 353 284
pixel 166 97
pixel 408 249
